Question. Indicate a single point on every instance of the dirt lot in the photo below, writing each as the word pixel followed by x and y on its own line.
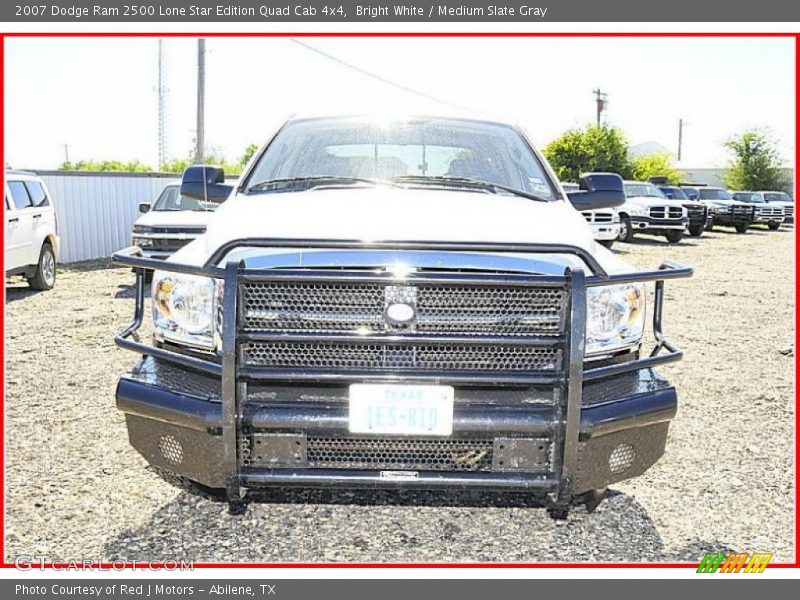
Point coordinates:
pixel 76 489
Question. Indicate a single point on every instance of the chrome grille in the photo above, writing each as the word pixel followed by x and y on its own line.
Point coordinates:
pixel 666 212
pixel 598 217
pixel 333 356
pixel 421 454
pixel 308 307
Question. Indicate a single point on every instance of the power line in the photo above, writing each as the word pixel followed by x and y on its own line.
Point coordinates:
pixel 377 77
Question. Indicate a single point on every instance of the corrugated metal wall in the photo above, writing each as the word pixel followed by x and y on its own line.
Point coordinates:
pixel 96 211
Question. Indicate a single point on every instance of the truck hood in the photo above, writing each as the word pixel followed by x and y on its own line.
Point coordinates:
pixel 395 214
pixel 175 218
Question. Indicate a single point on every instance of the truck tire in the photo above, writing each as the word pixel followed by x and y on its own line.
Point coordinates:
pixel 742 227
pixel 45 276
pixel 774 226
pixel 696 230
pixel 674 235
pixel 710 226
pixel 606 243
pixel 625 229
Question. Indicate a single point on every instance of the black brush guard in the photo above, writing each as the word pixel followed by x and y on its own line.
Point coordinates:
pixel 563 420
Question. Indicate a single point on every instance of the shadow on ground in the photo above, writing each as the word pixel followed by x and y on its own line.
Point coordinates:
pixel 302 525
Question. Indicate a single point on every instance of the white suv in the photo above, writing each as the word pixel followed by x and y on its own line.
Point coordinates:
pixel 32 242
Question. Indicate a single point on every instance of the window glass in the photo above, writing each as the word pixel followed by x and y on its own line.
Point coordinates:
pixel 420 148
pixel 36 193
pixel 19 195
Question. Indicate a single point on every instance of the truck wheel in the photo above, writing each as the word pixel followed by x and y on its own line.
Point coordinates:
pixel 625 229
pixel 606 243
pixel 710 226
pixel 45 276
pixel 674 235
pixel 742 227
pixel 774 226
pixel 696 230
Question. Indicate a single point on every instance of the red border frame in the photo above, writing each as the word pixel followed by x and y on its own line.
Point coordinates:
pixel 685 565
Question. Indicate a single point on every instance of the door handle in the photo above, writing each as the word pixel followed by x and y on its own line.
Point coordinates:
pixel 14 220
pixel 39 216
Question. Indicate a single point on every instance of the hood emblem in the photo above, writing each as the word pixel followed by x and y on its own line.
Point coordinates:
pixel 400 306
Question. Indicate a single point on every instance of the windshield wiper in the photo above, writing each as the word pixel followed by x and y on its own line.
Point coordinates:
pixel 462 182
pixel 306 183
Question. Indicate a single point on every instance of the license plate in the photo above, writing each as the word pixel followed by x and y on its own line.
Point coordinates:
pixel 401 409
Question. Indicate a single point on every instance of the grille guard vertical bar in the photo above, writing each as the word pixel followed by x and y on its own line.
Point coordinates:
pixel 230 404
pixel 573 388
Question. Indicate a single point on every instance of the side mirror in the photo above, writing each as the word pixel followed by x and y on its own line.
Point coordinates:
pixel 206 183
pixel 598 190
pixel 144 207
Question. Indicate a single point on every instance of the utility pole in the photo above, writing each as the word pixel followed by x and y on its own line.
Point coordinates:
pixel 681 125
pixel 199 155
pixel 601 98
pixel 162 107
pixel 66 152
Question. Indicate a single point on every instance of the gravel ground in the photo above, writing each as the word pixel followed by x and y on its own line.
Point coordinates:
pixel 76 489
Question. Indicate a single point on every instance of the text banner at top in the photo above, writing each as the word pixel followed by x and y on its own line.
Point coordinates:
pixel 173 11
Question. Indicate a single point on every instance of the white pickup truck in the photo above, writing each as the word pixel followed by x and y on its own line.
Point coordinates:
pixel 401 303
pixel 648 210
pixel 604 223
pixel 171 222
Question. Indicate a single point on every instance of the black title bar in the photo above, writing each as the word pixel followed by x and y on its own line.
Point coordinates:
pixel 376 11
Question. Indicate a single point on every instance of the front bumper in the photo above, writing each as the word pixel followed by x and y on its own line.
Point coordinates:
pixel 646 223
pixel 605 231
pixel 769 219
pixel 252 418
pixel 175 421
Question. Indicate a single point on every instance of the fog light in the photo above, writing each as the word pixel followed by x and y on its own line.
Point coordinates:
pixel 621 458
pixel 171 449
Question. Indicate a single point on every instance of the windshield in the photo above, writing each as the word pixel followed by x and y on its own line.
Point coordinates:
pixel 715 194
pixel 643 190
pixel 691 193
pixel 366 151
pixel 171 199
pixel 748 197
pixel 674 193
pixel 777 197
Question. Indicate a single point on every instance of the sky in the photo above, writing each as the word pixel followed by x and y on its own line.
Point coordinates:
pixel 99 96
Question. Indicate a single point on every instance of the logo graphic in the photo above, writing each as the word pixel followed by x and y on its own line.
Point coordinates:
pixel 734 562
pixel 400 307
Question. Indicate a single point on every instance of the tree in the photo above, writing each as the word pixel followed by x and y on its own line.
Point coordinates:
pixel 655 165
pixel 133 166
pixel 756 163
pixel 248 154
pixel 595 148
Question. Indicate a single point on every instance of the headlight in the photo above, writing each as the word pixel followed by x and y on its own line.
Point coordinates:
pixel 143 242
pixel 639 211
pixel 614 317
pixel 142 229
pixel 184 308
